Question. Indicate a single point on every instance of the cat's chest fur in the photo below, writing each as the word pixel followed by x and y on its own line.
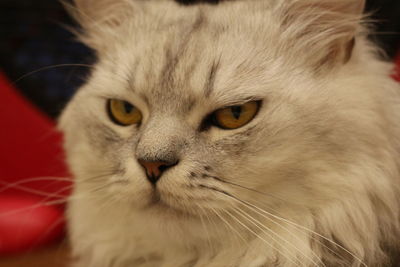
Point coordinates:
pixel 127 241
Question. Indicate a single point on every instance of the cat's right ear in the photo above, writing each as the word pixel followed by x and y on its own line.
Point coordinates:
pixel 99 19
pixel 323 30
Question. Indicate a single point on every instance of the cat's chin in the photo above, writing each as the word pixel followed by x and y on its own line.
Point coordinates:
pixel 160 207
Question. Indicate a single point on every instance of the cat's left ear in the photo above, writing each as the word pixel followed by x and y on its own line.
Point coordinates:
pixel 326 30
pixel 100 19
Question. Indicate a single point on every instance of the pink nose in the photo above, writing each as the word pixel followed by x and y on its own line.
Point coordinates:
pixel 154 169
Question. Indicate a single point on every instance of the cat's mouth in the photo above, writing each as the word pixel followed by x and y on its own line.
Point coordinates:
pixel 155 199
pixel 158 204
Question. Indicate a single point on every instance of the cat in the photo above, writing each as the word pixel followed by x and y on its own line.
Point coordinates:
pixel 244 134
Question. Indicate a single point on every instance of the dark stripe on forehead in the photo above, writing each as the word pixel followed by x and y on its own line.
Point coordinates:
pixel 209 86
pixel 171 59
pixel 132 75
pixel 168 69
pixel 199 21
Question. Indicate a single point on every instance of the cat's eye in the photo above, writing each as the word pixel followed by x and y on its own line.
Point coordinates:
pixel 234 117
pixel 123 113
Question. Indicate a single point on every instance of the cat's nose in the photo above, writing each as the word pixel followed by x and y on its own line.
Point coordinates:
pixel 154 169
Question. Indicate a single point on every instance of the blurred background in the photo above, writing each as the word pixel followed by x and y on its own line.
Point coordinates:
pixel 33 36
pixel 38 75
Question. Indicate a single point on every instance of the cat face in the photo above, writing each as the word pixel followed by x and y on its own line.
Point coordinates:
pixel 229 113
pixel 180 68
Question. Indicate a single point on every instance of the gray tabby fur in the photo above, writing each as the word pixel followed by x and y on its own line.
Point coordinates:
pixel 313 180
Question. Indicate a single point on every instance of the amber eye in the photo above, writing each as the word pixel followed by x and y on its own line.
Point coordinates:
pixel 123 113
pixel 236 116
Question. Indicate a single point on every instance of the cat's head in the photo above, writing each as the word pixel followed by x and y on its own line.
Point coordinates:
pixel 202 108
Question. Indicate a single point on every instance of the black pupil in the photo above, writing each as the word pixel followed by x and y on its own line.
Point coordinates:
pixel 236 111
pixel 128 107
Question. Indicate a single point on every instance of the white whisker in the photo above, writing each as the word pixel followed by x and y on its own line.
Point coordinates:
pixel 310 234
pixel 210 243
pixel 255 234
pixel 269 233
pixel 230 226
pixel 301 227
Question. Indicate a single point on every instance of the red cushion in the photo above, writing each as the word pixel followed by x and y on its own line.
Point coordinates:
pixel 30 146
pixel 25 223
pixel 30 153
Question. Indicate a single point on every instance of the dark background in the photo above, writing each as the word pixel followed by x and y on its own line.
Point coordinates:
pixel 33 35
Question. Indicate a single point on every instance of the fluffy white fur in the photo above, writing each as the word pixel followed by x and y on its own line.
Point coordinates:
pixel 313 180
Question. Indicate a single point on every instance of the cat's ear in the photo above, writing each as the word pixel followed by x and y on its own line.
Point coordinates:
pixel 99 18
pixel 326 30
pixel 105 12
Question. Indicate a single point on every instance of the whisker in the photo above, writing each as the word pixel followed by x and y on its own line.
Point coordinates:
pixel 294 224
pixel 37 192
pixel 292 234
pixel 229 225
pixel 309 234
pixel 251 218
pixel 270 233
pixel 205 228
pixel 36 179
pixel 45 203
pixel 247 188
pixel 50 67
pixel 62 200
pixel 214 225
pixel 254 233
pixel 313 232
pixel 16 185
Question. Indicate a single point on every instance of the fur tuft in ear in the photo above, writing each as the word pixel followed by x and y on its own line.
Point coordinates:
pixel 99 18
pixel 328 28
